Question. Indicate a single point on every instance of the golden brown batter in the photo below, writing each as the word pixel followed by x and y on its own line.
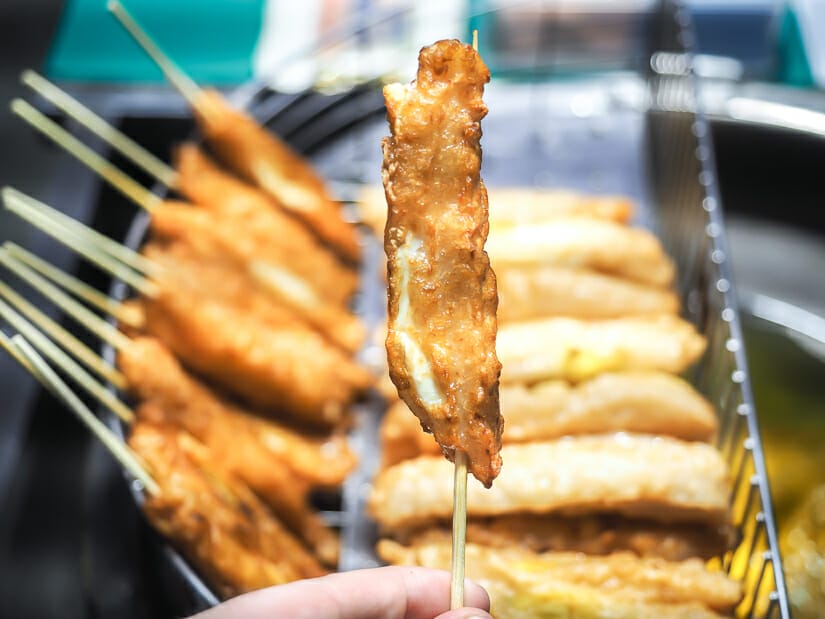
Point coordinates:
pixel 442 292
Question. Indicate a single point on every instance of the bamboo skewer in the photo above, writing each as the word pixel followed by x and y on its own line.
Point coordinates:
pixel 457 567
pixel 83 316
pixel 21 205
pixel 94 123
pixel 77 287
pixel 182 82
pixel 68 341
pixel 49 379
pixel 11 348
pixel 64 361
pixel 111 173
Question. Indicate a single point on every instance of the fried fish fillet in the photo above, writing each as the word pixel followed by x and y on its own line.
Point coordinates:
pixel 540 291
pixel 187 267
pixel 213 519
pixel 593 535
pixel 570 349
pixel 291 370
pixel 597 244
pixel 442 291
pixel 642 402
pixel 526 585
pixel 260 157
pixel 660 478
pixel 514 206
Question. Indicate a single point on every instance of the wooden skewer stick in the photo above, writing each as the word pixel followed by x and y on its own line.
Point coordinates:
pixel 11 348
pixel 49 379
pixel 65 362
pixel 100 165
pixel 16 203
pixel 68 341
pixel 76 286
pixel 118 140
pixel 182 82
pixel 83 316
pixel 457 570
pixel 87 235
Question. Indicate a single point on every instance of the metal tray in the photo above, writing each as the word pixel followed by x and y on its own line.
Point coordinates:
pixel 637 132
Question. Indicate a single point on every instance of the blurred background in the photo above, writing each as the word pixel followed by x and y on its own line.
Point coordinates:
pixel 762 63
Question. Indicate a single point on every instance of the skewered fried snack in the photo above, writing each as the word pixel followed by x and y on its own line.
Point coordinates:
pixel 600 245
pixel 260 157
pixel 643 402
pixel 523 585
pixel 156 376
pixel 513 206
pixel 292 370
pixel 239 244
pixel 575 350
pixel 442 292
pixel 188 268
pixel 540 291
pixel 214 519
pixel 660 478
pixel 268 233
pixel 593 535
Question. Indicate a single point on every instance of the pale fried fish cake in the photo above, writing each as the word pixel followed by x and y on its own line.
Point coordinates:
pixel 636 475
pixel 539 291
pixel 512 206
pixel 526 585
pixel 596 244
pixel 643 402
pixel 570 349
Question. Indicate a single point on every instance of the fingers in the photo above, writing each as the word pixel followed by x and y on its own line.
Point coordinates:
pixel 382 593
pixel 465 613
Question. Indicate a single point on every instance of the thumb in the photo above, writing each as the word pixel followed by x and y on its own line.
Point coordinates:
pixel 465 613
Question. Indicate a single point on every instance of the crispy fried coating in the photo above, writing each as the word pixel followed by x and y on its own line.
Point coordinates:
pixel 660 478
pixel 214 519
pixel 242 243
pixel 291 370
pixel 189 268
pixel 442 291
pixel 526 585
pixel 570 349
pixel 514 206
pixel 154 375
pixel 260 157
pixel 540 291
pixel 643 402
pixel 593 535
pixel 597 244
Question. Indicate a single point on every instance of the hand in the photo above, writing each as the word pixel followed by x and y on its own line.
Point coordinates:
pixel 381 593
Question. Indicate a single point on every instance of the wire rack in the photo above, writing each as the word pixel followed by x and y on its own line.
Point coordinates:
pixel 636 130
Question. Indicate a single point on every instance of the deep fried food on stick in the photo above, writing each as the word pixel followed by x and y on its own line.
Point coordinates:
pixel 263 159
pixel 214 519
pixel 268 233
pixel 596 244
pixel 293 370
pixel 156 376
pixel 593 535
pixel 442 292
pixel 636 475
pixel 210 274
pixel 513 206
pixel 524 585
pixel 540 291
pixel 643 402
pixel 565 348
